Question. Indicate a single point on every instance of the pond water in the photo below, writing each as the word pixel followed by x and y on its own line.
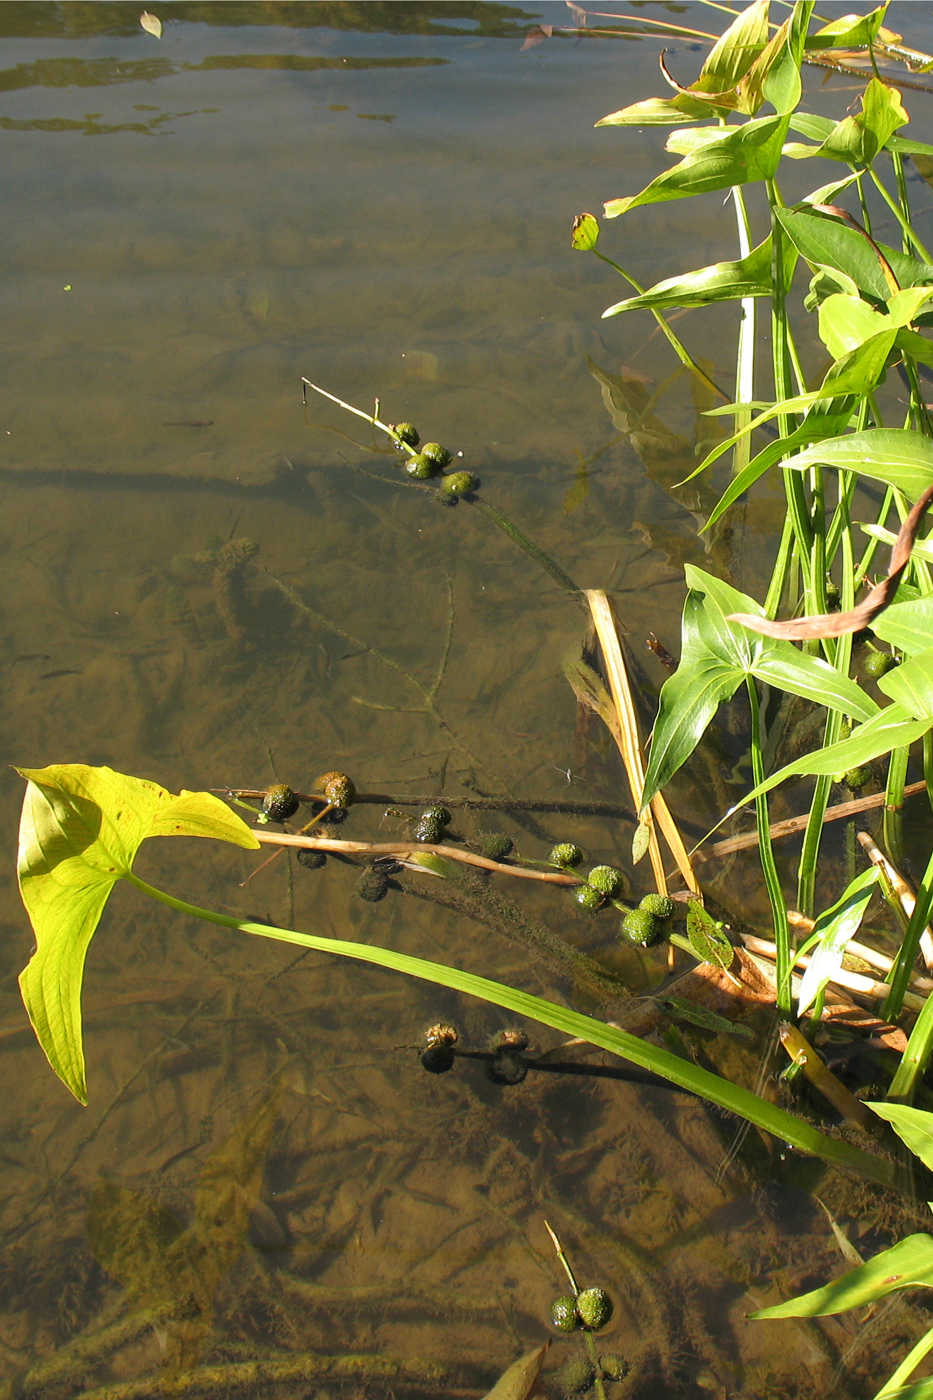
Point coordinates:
pixel 267 1196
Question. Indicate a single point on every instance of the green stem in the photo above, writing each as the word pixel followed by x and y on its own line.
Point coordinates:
pixel 534 551
pixel 904 223
pixel 783 955
pixel 673 1068
pixel 892 822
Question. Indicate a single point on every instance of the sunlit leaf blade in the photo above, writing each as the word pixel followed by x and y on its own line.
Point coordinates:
pixel 828 242
pixel 79 833
pixel 659 111
pixel 858 139
pixel 891 728
pixel 907 626
pixel 716 656
pixel 910 685
pixel 849 32
pixel 898 456
pixel 707 938
pixel 520 1379
pixel 585 233
pixel 724 281
pixel 748 152
pixel 914 1126
pixel 736 50
pixel 151 23
pixel 834 928
pixel 907 1264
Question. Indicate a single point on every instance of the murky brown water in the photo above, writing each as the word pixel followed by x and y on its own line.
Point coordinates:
pixel 377 197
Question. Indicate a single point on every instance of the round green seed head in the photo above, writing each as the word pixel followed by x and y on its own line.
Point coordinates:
pixel 565 854
pixel 588 898
pixel 641 927
pixel 564 1313
pixel 613 1366
pixel 606 879
pixel 436 453
pixel 279 803
pixel 856 778
pixel 877 663
pixel 436 813
pixel 594 1308
pixel 576 1375
pixel 459 484
pixel 660 905
pixel 494 844
pixel 427 829
pixel 420 467
pixel 408 433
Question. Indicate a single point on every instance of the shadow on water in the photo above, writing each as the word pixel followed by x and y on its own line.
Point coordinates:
pixel 268 1196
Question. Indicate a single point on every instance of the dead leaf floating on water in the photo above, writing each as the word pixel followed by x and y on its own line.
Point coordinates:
pixel 151 23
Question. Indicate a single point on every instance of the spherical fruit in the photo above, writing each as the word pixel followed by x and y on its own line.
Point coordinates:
pixel 594 1308
pixel 427 829
pixel 641 927
pixel 613 1366
pixel 337 788
pixel 436 454
pixel 436 813
pixel 407 433
pixel 564 1313
pixel 459 484
pixel 565 854
pixel 494 844
pixel 420 467
pixel 588 898
pixel 279 803
pixel 856 778
pixel 877 663
pixel 660 905
pixel 575 1376
pixel 606 879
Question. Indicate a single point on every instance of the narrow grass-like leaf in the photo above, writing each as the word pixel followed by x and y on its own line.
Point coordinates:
pixel 907 1264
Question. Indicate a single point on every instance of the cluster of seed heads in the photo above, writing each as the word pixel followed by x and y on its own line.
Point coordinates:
pixel 591 1309
pixel 430 462
pixel 603 882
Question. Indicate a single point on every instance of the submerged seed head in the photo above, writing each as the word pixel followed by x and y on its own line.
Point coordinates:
pixel 279 803
pixel 606 879
pixel 594 1308
pixel 564 1313
pixel 660 905
pixel 641 927
pixel 407 433
pixel 588 898
pixel 565 854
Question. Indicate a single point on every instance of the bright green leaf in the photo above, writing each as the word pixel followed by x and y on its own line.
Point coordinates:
pixel 898 456
pixel 659 111
pixel 908 625
pixel 910 685
pixel 826 241
pixel 907 1264
pixel 748 152
pixel 849 32
pixel 914 1126
pixel 736 50
pixel 856 140
pixel 833 930
pixel 846 322
pixel 585 233
pixel 79 833
pixel 724 281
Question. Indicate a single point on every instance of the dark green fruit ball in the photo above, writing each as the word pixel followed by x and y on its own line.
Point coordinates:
pixel 459 484
pixel 336 789
pixel 427 829
pixel 564 1313
pixel 407 433
pixel 613 1366
pixel 420 467
pixel 641 927
pixel 437 1059
pixel 576 1375
pixel 436 813
pixel 606 879
pixel 436 454
pixel 372 885
pixel 311 860
pixel 588 898
pixel 660 905
pixel 494 844
pixel 565 854
pixel 279 803
pixel 856 778
pixel 594 1308
pixel 877 663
